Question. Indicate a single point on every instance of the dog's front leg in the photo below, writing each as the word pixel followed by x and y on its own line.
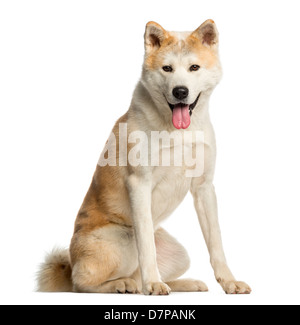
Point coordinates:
pixel 206 207
pixel 139 188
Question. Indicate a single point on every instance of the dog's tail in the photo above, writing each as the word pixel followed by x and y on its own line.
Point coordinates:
pixel 54 274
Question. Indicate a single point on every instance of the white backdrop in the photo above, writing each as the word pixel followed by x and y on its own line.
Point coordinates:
pixel 67 72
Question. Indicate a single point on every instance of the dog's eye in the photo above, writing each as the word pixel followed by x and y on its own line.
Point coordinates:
pixel 194 67
pixel 167 68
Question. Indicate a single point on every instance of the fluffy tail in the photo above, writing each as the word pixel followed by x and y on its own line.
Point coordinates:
pixel 55 273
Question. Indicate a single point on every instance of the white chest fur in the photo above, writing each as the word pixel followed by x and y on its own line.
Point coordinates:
pixel 170 185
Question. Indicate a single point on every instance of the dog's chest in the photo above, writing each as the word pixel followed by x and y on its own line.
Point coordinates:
pixel 170 185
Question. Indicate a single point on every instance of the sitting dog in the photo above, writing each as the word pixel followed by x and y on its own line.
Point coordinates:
pixel 118 244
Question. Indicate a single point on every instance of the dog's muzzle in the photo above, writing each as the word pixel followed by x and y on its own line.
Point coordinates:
pixel 181 113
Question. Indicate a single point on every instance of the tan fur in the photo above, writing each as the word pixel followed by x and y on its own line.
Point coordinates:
pixel 118 244
pixel 207 57
pixel 55 272
pixel 154 60
pixel 194 43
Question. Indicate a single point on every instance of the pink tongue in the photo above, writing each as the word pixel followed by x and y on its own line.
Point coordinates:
pixel 181 116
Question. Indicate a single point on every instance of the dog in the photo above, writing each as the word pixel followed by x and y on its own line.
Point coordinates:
pixel 118 245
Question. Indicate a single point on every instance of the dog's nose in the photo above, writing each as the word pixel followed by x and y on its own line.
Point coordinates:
pixel 180 92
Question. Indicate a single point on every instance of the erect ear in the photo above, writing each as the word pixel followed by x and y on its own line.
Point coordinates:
pixel 207 33
pixel 154 36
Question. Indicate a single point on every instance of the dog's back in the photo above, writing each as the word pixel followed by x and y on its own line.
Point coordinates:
pixel 118 245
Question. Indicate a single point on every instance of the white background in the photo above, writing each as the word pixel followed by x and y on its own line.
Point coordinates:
pixel 67 72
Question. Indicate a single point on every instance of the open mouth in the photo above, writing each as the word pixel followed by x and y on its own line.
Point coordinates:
pixel 181 114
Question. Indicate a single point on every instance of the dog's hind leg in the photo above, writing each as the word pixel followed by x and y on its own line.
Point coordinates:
pixel 104 260
pixel 173 261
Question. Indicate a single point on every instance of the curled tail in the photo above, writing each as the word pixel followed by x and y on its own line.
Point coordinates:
pixel 55 273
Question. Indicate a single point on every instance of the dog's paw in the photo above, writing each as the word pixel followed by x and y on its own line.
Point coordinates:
pixel 235 287
pixel 125 285
pixel 187 285
pixel 156 288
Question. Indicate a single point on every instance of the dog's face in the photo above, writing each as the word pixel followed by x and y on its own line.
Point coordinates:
pixel 179 67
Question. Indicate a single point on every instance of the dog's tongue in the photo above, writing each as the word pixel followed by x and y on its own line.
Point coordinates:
pixel 181 116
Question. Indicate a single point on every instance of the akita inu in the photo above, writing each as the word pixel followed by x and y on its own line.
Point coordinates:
pixel 118 244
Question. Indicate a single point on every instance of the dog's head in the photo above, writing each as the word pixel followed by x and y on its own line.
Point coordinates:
pixel 179 67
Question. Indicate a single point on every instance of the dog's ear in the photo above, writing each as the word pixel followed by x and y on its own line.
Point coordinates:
pixel 207 33
pixel 154 36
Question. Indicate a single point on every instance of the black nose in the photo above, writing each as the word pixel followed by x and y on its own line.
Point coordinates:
pixel 180 92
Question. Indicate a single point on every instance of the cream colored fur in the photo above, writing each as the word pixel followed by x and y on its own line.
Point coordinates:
pixel 129 251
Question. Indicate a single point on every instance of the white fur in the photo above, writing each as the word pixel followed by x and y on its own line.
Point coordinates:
pixel 128 251
pixel 155 192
